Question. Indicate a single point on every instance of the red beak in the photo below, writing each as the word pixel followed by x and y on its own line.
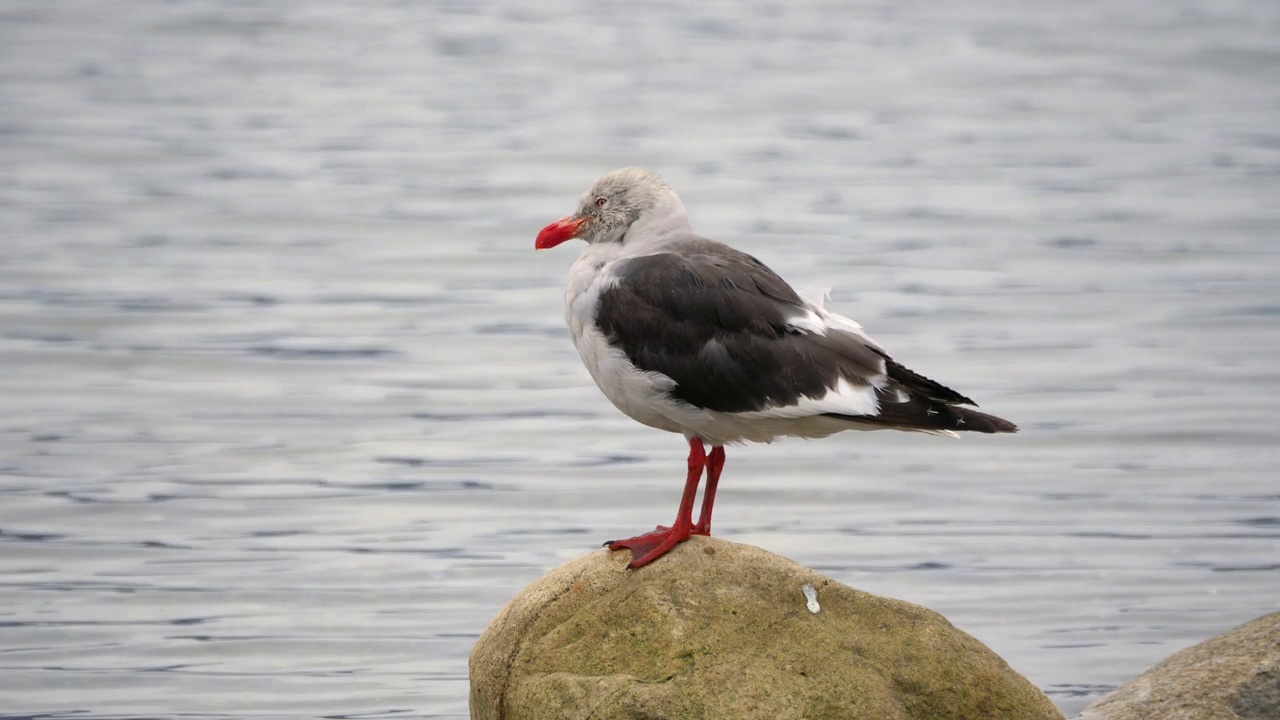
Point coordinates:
pixel 559 231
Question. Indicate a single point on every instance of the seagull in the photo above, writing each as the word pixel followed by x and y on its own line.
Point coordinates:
pixel 688 335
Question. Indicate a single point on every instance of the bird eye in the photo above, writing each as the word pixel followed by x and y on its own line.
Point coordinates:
pixel 602 201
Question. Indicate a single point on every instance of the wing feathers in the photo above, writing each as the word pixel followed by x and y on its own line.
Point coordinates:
pixel 736 338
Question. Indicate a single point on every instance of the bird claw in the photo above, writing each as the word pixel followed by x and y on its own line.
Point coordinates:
pixel 651 546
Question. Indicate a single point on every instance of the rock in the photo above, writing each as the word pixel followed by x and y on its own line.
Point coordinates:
pixel 1234 676
pixel 718 630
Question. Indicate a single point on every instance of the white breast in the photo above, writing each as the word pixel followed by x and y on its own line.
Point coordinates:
pixel 642 396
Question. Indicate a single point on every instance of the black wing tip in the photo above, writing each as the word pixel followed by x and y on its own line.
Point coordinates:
pixel 984 423
pixel 948 417
pixel 921 385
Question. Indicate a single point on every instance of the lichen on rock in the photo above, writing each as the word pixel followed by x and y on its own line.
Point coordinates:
pixel 720 630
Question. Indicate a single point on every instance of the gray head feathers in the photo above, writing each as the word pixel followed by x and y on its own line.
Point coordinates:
pixel 631 204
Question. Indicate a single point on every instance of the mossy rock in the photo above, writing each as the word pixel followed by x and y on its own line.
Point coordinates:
pixel 719 630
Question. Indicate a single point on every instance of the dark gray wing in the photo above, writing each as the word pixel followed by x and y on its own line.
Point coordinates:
pixel 716 321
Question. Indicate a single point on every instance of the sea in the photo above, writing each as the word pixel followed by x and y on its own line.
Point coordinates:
pixel 288 409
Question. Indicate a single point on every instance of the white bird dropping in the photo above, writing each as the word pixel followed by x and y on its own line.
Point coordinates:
pixel 811 596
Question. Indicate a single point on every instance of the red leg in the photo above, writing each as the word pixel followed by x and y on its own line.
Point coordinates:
pixel 651 546
pixel 715 463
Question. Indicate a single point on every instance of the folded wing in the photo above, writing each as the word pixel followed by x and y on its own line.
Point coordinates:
pixel 736 338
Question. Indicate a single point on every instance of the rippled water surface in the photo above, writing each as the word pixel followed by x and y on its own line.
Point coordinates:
pixel 287 407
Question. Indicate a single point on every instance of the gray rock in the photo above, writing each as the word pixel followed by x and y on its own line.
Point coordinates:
pixel 1234 676
pixel 718 630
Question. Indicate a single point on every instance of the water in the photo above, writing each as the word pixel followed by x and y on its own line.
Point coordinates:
pixel 288 411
